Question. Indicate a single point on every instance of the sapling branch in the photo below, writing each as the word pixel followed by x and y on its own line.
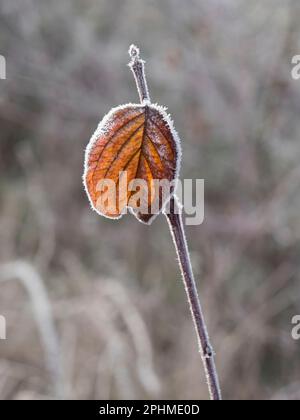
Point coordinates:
pixel 137 66
pixel 177 230
pixel 176 227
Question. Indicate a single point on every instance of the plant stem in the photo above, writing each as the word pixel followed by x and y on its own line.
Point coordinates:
pixel 176 227
pixel 137 67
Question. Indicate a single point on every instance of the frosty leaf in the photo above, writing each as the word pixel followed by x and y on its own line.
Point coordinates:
pixel 139 142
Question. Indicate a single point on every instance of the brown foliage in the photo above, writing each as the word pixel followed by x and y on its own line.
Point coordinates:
pixel 138 141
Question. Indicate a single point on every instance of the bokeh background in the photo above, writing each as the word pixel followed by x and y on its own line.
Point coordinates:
pixel 95 308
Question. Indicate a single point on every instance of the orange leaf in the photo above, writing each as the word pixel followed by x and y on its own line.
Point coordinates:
pixel 133 146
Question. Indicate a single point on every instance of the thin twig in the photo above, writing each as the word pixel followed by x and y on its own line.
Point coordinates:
pixel 177 230
pixel 137 67
pixel 176 227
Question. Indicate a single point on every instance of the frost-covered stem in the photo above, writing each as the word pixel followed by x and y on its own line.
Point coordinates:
pixel 176 227
pixel 137 67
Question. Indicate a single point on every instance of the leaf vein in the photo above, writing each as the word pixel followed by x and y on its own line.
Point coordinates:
pixel 111 138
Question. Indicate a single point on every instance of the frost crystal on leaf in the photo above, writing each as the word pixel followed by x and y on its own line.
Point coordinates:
pixel 141 140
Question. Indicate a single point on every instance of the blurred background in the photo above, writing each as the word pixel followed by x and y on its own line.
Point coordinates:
pixel 95 308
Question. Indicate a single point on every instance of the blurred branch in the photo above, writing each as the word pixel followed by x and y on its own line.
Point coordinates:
pixel 32 282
